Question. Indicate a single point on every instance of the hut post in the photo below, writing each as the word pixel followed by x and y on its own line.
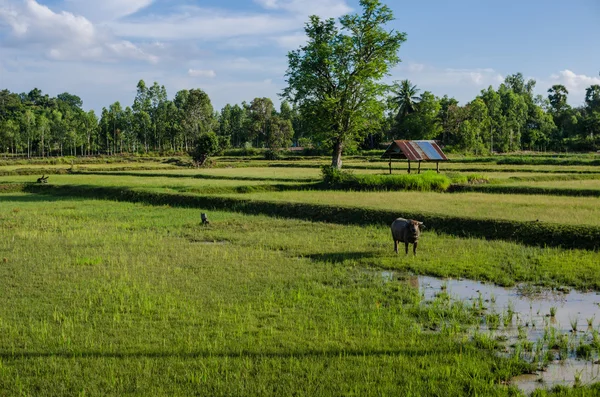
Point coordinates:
pixel 419 167
pixel 390 164
pixel 409 166
pixel 437 166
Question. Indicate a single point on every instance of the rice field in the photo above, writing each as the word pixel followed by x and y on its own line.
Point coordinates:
pixel 573 184
pixel 525 208
pixel 115 298
pixel 167 184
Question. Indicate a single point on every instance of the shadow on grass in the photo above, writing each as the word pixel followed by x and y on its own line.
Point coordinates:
pixel 415 352
pixel 198 176
pixel 340 257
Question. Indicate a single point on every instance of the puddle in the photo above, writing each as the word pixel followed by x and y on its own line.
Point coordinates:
pixel 562 373
pixel 532 306
pixel 521 316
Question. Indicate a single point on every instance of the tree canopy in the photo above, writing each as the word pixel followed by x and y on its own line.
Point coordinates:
pixel 335 79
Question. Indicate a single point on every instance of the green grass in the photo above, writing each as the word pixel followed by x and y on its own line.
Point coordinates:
pixel 105 298
pixel 153 183
pixel 344 180
pixel 112 298
pixel 564 184
pixel 522 208
pixel 253 172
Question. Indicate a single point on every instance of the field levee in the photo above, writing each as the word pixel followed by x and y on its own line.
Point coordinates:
pixel 530 233
pixel 534 190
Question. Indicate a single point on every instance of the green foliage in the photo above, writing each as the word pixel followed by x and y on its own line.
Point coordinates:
pixel 345 180
pixel 272 155
pixel 207 144
pixel 335 78
pixel 333 176
pixel 423 122
pixel 458 178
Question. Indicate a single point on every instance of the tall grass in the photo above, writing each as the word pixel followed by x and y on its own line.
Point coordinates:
pixel 427 181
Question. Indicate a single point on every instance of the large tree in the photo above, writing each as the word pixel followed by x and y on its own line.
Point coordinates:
pixel 335 78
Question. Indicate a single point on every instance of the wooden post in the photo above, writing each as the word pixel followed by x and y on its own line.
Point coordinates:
pixel 419 167
pixel 409 166
pixel 437 166
pixel 390 164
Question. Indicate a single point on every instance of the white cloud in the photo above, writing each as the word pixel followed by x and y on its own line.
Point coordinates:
pixel 202 73
pixel 205 24
pixel 64 35
pixel 416 67
pixel 202 23
pixel 421 74
pixel 323 8
pixel 269 65
pixel 36 22
pixel 291 42
pixel 106 10
pixel 574 82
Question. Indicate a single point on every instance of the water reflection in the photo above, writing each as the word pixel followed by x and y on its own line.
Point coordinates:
pixel 549 326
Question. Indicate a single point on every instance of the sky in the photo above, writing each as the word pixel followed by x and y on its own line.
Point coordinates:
pixel 236 50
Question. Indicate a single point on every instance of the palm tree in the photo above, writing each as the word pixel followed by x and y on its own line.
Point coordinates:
pixel 406 98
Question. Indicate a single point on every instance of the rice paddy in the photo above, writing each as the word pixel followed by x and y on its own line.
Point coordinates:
pixel 115 298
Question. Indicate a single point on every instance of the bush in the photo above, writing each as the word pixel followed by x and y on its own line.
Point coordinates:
pixel 207 145
pixel 333 176
pixel 473 179
pixel 272 155
pixel 427 181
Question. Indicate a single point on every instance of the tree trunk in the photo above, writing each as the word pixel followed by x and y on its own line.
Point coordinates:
pixel 336 158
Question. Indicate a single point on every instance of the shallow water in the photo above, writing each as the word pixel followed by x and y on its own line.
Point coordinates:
pixel 532 305
pixel 531 321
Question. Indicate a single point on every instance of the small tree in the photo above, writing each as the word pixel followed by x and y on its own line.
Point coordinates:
pixel 207 144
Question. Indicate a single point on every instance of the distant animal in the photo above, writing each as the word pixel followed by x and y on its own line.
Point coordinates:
pixel 43 179
pixel 204 219
pixel 406 231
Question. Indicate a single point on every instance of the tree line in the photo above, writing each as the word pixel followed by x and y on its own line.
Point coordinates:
pixel 505 119
pixel 335 102
pixel 35 124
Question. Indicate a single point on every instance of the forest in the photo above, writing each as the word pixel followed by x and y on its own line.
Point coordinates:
pixel 505 119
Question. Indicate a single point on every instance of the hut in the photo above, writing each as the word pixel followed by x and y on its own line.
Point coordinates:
pixel 415 151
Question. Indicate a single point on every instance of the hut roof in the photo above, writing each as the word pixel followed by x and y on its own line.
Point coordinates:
pixel 415 151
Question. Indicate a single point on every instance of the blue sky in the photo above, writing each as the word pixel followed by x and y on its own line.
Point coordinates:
pixel 236 50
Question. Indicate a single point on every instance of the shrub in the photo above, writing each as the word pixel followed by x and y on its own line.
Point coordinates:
pixel 428 181
pixel 207 145
pixel 272 154
pixel 334 177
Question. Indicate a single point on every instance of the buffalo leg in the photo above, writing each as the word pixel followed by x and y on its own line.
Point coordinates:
pixel 395 246
pixel 415 248
pixel 406 248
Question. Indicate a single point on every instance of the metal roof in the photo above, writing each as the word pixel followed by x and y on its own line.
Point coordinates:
pixel 415 151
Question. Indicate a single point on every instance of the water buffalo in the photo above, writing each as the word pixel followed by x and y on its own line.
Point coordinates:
pixel 406 231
